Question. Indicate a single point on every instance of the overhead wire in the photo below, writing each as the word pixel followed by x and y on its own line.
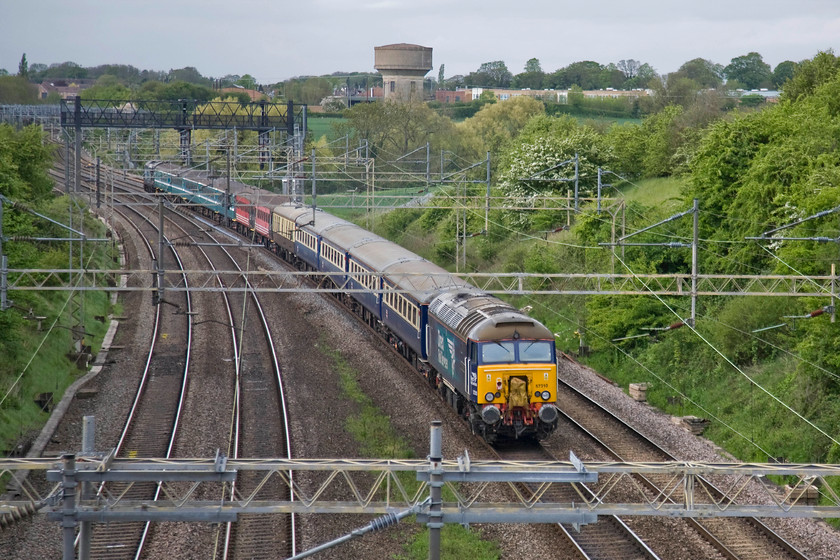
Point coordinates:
pixel 730 362
pixel 708 413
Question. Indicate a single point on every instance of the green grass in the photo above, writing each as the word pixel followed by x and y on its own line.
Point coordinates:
pixel 321 126
pixel 456 543
pixel 372 430
pixel 663 192
pixel 41 362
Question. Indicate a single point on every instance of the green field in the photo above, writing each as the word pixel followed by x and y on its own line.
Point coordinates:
pixel 321 126
pixel 661 192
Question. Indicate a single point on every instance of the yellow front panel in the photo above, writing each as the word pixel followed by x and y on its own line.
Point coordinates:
pixel 541 377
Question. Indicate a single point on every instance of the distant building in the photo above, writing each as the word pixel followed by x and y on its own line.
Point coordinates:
pixel 252 93
pixel 559 95
pixel 403 68
pixel 65 88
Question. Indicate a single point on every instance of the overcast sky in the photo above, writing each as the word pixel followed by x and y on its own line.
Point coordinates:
pixel 277 39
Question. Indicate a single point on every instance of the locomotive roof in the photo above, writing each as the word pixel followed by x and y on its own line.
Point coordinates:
pixel 479 316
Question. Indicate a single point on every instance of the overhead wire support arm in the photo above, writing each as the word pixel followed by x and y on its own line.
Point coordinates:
pixel 665 221
pixel 672 244
pixel 815 239
pixel 796 223
pixel 553 167
pixel 25 208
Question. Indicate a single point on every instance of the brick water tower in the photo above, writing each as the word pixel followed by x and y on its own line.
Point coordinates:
pixel 403 68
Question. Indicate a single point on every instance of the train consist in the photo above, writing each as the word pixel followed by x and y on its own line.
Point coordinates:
pixel 492 363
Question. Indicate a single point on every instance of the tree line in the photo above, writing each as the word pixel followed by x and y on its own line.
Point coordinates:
pixel 747 72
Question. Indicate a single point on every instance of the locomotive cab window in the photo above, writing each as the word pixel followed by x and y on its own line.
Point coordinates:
pixel 497 352
pixel 535 351
pixel 507 351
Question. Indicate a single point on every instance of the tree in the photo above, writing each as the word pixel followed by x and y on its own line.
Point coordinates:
pixel 705 73
pixel 749 70
pixel 308 90
pixel 441 80
pixel 533 65
pixel 24 160
pixel 65 70
pixel 495 124
pixel 15 90
pixel 188 74
pixel 23 67
pixel 491 74
pixel 811 74
pixel 630 68
pixel 531 78
pixel 586 74
pixel 247 81
pixel 396 127
pixel 643 78
pixel 181 90
pixel 107 87
pixel 612 77
pixel 783 72
pixel 3 72
pixel 126 73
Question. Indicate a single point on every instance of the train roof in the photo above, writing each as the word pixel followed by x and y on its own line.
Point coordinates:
pixel 219 183
pixel 325 225
pixel 258 197
pixel 293 212
pixel 422 278
pixel 480 316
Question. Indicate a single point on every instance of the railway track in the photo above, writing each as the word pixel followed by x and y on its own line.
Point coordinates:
pixel 260 426
pixel 607 539
pixel 151 423
pixel 257 397
pixel 733 538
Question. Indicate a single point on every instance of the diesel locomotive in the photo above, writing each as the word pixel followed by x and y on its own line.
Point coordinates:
pixel 494 365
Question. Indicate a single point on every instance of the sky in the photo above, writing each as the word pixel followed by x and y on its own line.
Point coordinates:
pixel 274 40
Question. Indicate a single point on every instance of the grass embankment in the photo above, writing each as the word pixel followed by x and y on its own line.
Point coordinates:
pixel 372 429
pixel 38 364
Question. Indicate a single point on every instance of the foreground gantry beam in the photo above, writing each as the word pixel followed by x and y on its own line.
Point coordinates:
pixel 383 486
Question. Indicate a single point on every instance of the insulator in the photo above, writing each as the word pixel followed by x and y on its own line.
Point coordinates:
pixel 816 313
pixel 383 522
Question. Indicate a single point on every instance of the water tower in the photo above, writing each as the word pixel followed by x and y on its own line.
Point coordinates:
pixel 403 68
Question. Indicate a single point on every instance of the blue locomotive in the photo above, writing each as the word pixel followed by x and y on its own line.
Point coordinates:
pixel 495 365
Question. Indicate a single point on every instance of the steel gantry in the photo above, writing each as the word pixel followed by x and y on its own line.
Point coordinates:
pixel 516 283
pixel 374 486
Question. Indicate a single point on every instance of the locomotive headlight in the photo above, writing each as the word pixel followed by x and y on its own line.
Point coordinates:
pixel 489 397
pixel 546 395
